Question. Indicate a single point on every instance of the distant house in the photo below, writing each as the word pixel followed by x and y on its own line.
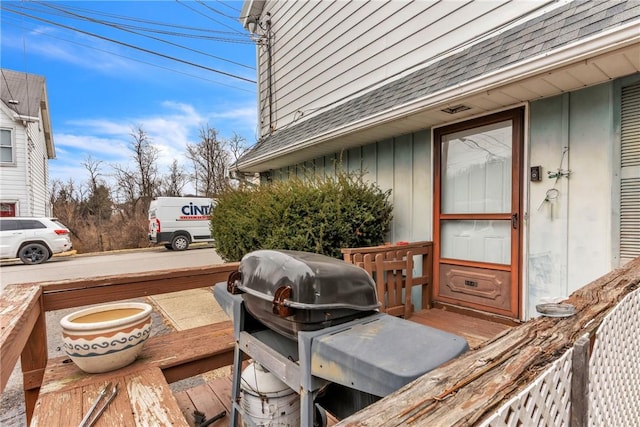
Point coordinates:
pixel 508 132
pixel 26 145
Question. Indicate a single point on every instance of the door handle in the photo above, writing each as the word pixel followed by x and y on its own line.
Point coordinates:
pixel 514 221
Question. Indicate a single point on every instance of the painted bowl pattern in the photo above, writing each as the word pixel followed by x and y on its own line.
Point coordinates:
pixel 106 337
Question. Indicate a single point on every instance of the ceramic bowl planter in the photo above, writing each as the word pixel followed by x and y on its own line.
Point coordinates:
pixel 106 337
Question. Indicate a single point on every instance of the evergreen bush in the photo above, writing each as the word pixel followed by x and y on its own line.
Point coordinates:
pixel 317 215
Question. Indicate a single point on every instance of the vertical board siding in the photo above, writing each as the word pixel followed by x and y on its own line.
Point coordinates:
pixel 569 240
pixel 590 184
pixel 324 52
pixel 547 223
pixel 402 194
pixel 402 165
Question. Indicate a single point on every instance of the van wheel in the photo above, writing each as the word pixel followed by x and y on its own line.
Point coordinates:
pixel 34 253
pixel 180 242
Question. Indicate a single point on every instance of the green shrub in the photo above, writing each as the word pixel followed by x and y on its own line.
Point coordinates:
pixel 322 216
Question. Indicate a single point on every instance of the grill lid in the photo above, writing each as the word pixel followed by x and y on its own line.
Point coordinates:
pixel 304 280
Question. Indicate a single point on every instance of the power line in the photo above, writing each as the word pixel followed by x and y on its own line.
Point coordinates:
pixel 162 55
pixel 213 9
pixel 46 34
pixel 117 26
pixel 229 6
pixel 133 19
pixel 206 16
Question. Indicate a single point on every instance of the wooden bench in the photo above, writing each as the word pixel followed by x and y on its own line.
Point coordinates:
pixel 144 396
pixel 422 249
pixel 58 393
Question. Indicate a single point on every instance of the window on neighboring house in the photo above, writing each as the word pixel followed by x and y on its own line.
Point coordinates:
pixel 7 209
pixel 6 146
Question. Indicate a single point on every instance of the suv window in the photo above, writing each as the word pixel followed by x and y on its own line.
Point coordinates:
pixel 30 224
pixel 8 224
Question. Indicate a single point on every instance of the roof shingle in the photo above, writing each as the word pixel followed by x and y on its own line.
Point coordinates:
pixel 557 28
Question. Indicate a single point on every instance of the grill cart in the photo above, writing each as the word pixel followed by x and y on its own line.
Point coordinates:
pixel 311 322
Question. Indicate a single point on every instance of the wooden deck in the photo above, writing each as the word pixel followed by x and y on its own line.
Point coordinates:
pixel 214 396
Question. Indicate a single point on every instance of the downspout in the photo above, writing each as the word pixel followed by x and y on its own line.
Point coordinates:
pixel 269 77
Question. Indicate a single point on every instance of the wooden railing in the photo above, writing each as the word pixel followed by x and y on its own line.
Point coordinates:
pixel 472 387
pixel 421 249
pixel 23 307
pixel 463 392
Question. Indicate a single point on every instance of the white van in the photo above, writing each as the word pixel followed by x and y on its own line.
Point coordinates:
pixel 176 222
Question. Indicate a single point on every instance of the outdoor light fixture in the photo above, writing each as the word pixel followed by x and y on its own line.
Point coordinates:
pixel 254 24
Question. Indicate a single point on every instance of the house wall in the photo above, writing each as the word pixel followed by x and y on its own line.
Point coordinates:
pixel 37 166
pixel 13 184
pixel 571 230
pixel 26 182
pixel 324 52
pixel 570 235
pixel 401 164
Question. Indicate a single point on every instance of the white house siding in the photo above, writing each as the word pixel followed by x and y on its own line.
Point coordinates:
pixel 323 52
pixel 26 182
pixel 13 187
pixel 37 171
pixel 570 239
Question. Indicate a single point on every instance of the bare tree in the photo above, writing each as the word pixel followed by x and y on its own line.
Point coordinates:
pixel 139 185
pixel 237 146
pixel 210 159
pixel 145 157
pixel 175 181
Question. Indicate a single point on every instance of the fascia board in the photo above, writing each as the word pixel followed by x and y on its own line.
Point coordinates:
pixel 603 42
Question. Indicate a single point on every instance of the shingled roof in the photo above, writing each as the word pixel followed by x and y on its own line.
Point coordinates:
pixel 555 29
pixel 22 92
pixel 25 94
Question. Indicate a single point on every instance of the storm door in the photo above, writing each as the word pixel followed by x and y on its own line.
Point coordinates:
pixel 477 219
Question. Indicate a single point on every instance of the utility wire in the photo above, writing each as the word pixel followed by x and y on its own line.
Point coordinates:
pixel 132 19
pixel 213 9
pixel 229 6
pixel 46 34
pixel 207 16
pixel 112 25
pixel 68 13
pixel 133 47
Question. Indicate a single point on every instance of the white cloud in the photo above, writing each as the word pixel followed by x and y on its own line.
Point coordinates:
pixel 169 128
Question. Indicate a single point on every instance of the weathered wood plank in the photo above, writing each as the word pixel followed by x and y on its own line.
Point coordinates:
pixel 222 388
pixel 476 331
pixel 190 352
pixel 76 293
pixel 205 399
pixel 152 401
pixel 143 399
pixel 19 313
pixel 470 387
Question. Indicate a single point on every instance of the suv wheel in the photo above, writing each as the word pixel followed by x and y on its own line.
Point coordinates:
pixel 180 242
pixel 34 253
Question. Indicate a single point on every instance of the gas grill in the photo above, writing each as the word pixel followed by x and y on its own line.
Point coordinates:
pixel 312 321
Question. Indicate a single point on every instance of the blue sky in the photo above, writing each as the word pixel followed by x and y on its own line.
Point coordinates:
pixel 100 90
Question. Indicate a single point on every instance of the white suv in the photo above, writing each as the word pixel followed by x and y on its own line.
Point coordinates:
pixel 33 240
